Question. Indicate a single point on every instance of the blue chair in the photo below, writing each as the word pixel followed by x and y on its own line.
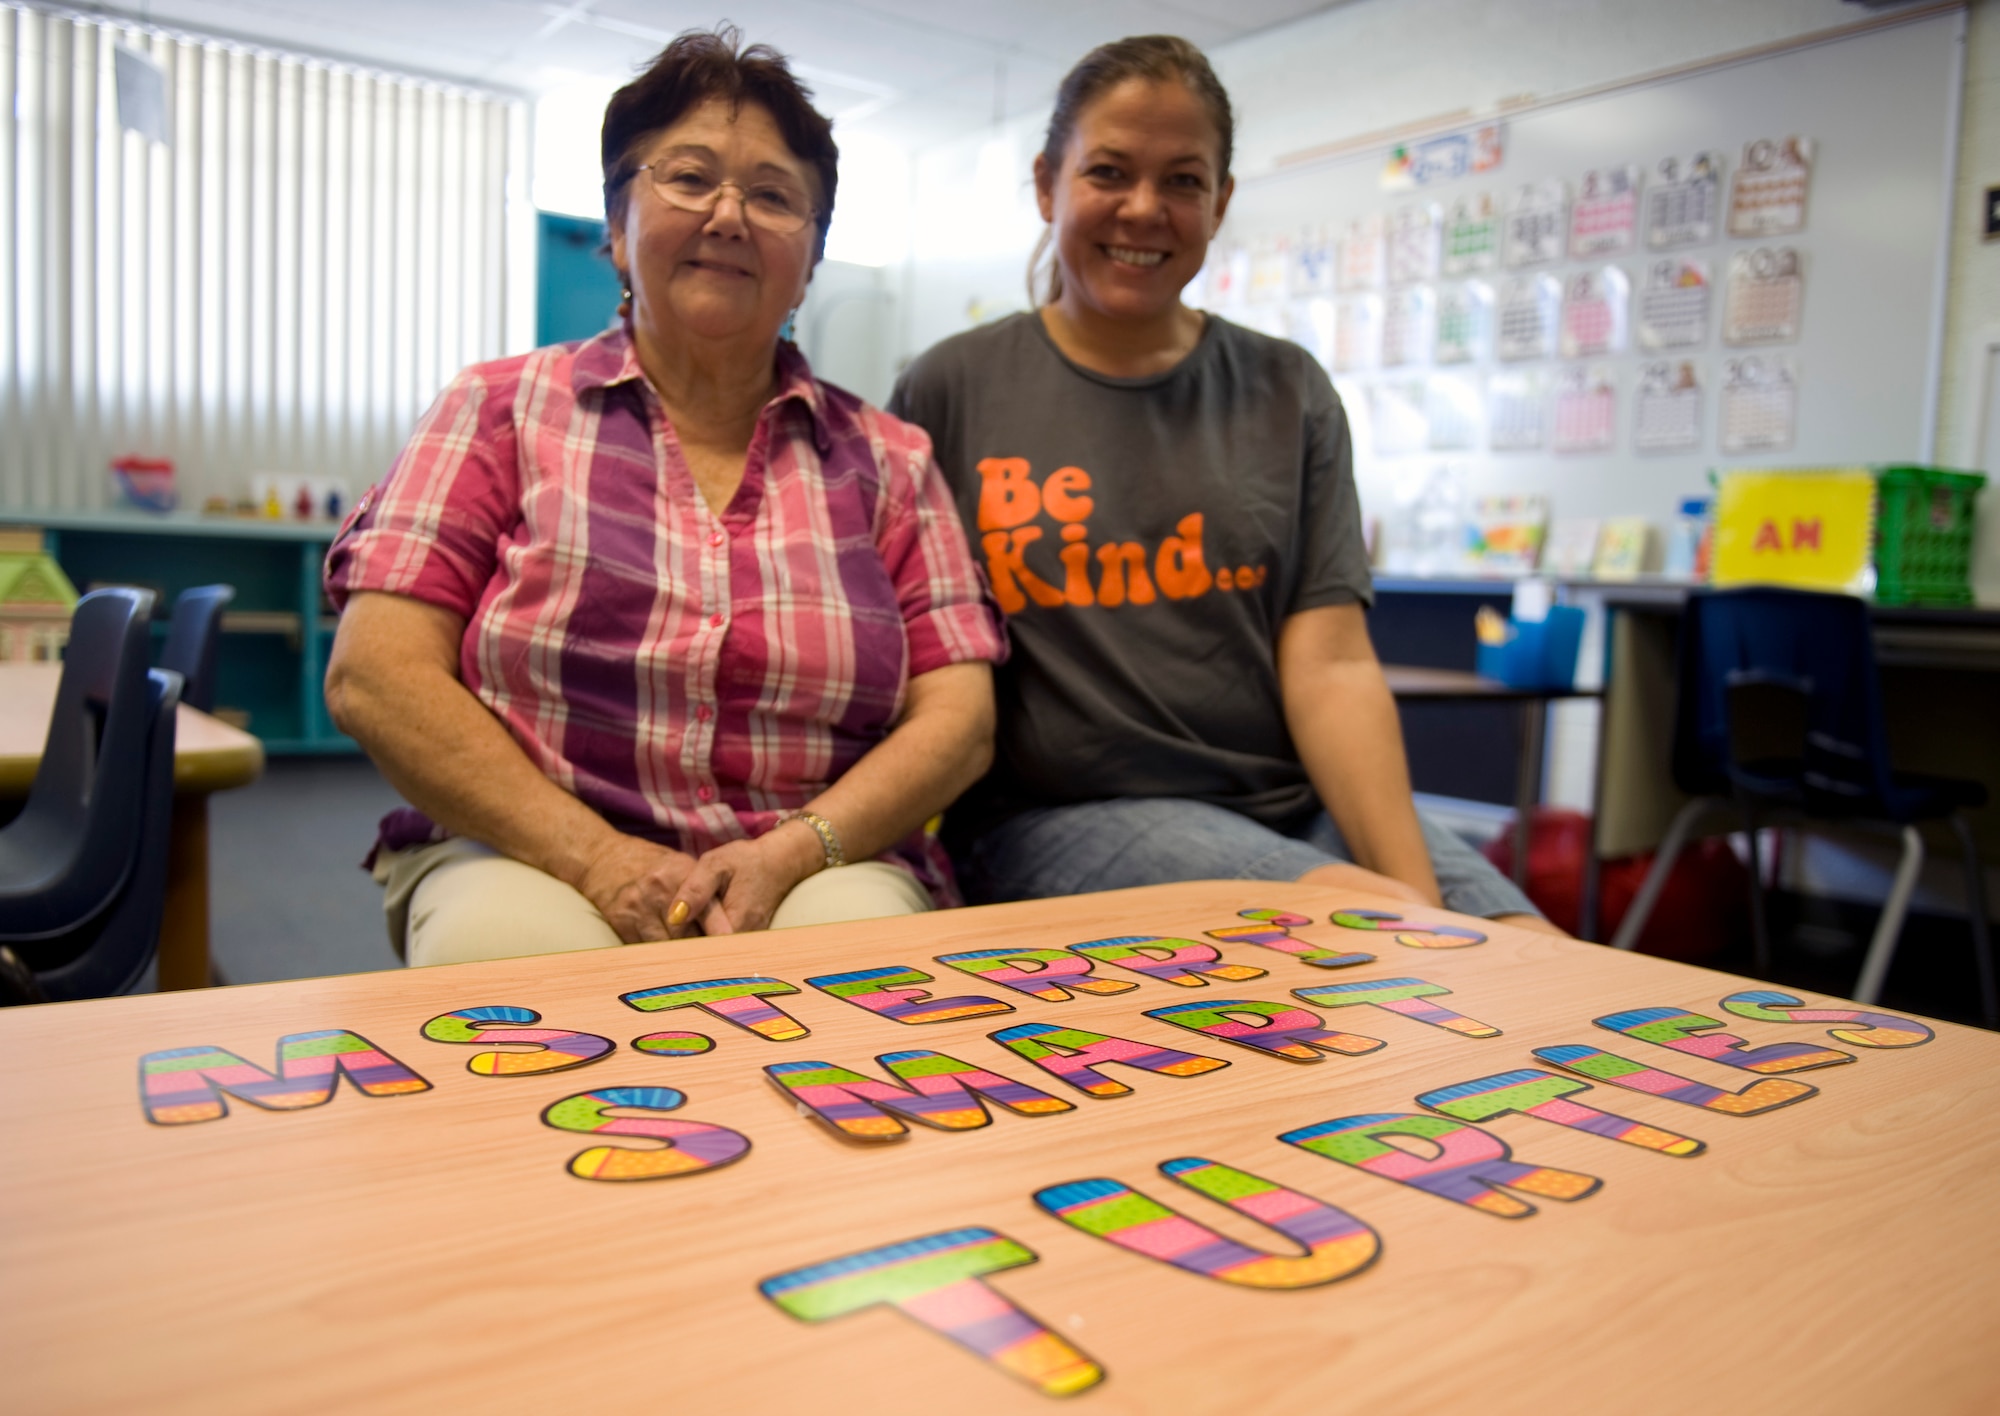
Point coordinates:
pixel 192 641
pixel 1780 716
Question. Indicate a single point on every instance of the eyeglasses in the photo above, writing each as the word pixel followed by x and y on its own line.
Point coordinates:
pixel 779 207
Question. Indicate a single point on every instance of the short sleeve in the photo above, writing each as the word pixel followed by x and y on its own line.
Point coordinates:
pixel 1333 561
pixel 949 615
pixel 432 528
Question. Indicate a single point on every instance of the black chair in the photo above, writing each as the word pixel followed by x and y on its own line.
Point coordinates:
pixel 1780 717
pixel 192 641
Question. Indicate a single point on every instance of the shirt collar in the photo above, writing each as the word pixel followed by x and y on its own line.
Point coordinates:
pixel 611 358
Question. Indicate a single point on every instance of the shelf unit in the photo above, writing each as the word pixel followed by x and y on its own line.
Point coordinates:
pixel 275 634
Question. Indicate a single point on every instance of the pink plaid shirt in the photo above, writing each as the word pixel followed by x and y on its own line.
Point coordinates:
pixel 688 675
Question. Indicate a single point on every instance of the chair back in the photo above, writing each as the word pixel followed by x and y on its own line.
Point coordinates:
pixel 66 855
pixel 193 639
pixel 108 954
pixel 1778 694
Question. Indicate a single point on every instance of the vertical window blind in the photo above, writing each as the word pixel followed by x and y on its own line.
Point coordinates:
pixel 282 286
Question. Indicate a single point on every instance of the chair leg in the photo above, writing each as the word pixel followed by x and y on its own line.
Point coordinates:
pixel 1882 949
pixel 1635 919
pixel 1760 929
pixel 1982 929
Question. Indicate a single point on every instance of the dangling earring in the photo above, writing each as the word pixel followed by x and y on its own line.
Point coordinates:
pixel 791 326
pixel 625 303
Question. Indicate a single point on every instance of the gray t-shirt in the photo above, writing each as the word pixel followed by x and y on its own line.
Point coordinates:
pixel 1147 538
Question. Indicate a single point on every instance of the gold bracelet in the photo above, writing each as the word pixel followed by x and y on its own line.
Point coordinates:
pixel 829 839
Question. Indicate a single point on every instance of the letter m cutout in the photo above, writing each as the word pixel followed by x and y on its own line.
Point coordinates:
pixel 187 1084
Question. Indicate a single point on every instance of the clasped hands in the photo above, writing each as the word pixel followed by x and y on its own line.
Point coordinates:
pixel 647 891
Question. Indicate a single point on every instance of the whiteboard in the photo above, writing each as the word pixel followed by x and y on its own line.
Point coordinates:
pixel 1878 109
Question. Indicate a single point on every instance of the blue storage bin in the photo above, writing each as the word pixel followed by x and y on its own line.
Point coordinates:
pixel 1538 653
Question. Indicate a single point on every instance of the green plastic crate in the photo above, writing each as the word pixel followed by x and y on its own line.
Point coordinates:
pixel 1923 535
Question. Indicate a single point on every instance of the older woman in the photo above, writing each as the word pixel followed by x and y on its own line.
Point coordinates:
pixel 656 630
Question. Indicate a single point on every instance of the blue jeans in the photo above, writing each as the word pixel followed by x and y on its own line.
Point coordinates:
pixel 1111 845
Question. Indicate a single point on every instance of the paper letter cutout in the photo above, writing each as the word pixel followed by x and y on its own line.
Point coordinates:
pixel 1274 931
pixel 1408 932
pixel 1468 1164
pixel 1288 1032
pixel 1059 972
pixel 555 1049
pixel 1678 1029
pixel 896 992
pixel 1181 961
pixel 1532 1092
pixel 691 1145
pixel 734 1000
pixel 1337 1244
pixel 1862 1029
pixel 939 1281
pixel 187 1084
pixel 1072 1055
pixel 941 1091
pixel 674 1044
pixel 1765 1094
pixel 1398 995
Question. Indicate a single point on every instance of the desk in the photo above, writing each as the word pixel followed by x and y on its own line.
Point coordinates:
pixel 432 1249
pixel 209 756
pixel 1418 684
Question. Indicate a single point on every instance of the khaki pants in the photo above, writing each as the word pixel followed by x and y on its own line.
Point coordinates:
pixel 458 901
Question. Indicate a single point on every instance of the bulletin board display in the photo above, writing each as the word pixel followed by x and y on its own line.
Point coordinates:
pixel 1193 1149
pixel 1734 268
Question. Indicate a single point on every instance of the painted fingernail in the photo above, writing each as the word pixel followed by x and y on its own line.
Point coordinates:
pixel 678 915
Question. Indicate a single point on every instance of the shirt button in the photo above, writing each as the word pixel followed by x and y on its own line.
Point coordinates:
pixel 715 538
pixel 702 714
pixel 715 621
pixel 706 793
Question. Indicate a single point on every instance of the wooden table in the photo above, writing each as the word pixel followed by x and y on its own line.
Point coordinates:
pixel 209 756
pixel 430 1249
pixel 1409 681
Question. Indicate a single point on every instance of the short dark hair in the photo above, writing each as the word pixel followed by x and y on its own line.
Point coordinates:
pixel 701 65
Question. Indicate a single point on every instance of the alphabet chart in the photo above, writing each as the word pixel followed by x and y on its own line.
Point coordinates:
pixel 1766 292
pixel 1357 333
pixel 1768 196
pixel 1537 223
pixel 1586 417
pixel 1760 403
pixel 1594 312
pixel 1669 408
pixel 1517 411
pixel 1414 234
pixel 1683 200
pixel 1363 252
pixel 1606 214
pixel 1673 306
pixel 1464 322
pixel 1142 1151
pixel 1472 234
pixel 1529 306
pixel 1409 318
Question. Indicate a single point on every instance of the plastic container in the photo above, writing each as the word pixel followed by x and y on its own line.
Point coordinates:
pixel 1923 535
pixel 1537 653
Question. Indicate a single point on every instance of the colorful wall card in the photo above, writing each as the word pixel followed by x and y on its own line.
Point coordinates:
pixel 1765 1094
pixel 1276 1028
pixel 1765 294
pixel 1408 932
pixel 1516 412
pixel 1415 234
pixel 940 1091
pixel 1363 254
pixel 734 1000
pixel 1357 333
pixel 1409 320
pixel 1047 974
pixel 1851 1025
pixel 183 1085
pixel 1606 215
pixel 1683 1032
pixel 1336 1244
pixel 1531 1092
pixel 896 992
pixel 1683 201
pixel 1669 408
pixel 1073 1055
pixel 1464 322
pixel 1594 314
pixel 1537 224
pixel 1586 409
pixel 1470 1166
pixel 674 1044
pixel 691 1146
pixel 1315 259
pixel 1529 307
pixel 1181 961
pixel 938 1281
pixel 1760 404
pixel 1471 235
pixel 555 1049
pixel 1404 996
pixel 1673 306
pixel 1768 197
pixel 1274 931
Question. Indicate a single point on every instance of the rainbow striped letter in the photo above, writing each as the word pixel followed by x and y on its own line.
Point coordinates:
pixel 890 993
pixel 1181 961
pixel 1047 974
pixel 691 1145
pixel 942 1092
pixel 1398 995
pixel 1068 1054
pixel 1337 1244
pixel 554 1048
pixel 1276 1028
pixel 1468 1164
pixel 1537 1093
pixel 1765 1094
pixel 939 1281
pixel 1862 1029
pixel 1678 1029
pixel 1274 931
pixel 734 1000
pixel 1409 933
pixel 186 1084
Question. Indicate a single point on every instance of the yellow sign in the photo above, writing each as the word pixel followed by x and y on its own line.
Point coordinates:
pixel 1809 528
